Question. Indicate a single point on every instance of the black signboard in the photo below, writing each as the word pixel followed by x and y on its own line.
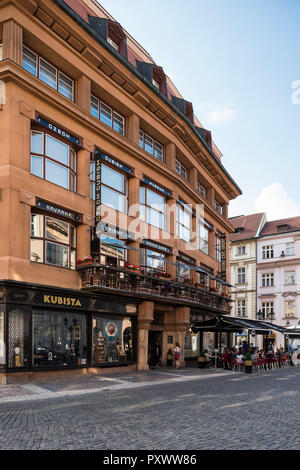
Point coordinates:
pixel 112 161
pixel 157 246
pixel 114 231
pixel 223 257
pixel 58 211
pixel 156 186
pixel 62 133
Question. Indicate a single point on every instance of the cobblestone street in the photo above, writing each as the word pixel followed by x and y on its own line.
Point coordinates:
pixel 188 409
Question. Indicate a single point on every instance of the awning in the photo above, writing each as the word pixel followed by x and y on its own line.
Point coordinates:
pixel 233 324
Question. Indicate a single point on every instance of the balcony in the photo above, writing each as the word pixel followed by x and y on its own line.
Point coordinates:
pixel 97 277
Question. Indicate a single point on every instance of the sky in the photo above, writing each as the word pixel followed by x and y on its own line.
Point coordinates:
pixel 238 62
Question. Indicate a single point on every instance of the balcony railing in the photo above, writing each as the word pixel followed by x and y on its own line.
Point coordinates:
pixel 126 281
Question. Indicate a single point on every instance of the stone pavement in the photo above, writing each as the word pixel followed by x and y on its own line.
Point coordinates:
pixel 189 409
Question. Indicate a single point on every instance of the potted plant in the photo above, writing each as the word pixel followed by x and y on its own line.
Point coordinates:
pixel 248 363
pixel 87 260
pixel 188 281
pixel 132 267
pixel 201 360
pixel 170 358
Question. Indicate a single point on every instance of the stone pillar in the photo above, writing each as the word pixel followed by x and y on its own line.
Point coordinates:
pixel 84 93
pixel 171 268
pixel 194 177
pixel 225 211
pixel 133 131
pixel 83 234
pixel 170 155
pixel 171 214
pixel 211 196
pixel 13 41
pixel 176 323
pixel 83 170
pixel 145 318
pixel 211 243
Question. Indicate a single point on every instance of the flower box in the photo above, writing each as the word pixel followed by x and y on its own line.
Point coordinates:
pixel 132 267
pixel 85 261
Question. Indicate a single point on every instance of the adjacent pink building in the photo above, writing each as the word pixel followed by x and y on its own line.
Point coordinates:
pixel 278 275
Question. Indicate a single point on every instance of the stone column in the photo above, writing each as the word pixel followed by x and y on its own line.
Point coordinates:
pixel 83 169
pixel 225 211
pixel 145 318
pixel 194 177
pixel 133 130
pixel 175 324
pixel 211 243
pixel 84 93
pixel 83 234
pixel 13 41
pixel 211 196
pixel 171 214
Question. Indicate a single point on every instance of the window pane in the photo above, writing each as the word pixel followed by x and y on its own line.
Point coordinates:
pixel 57 254
pixel 72 181
pixel 148 144
pixel 59 338
pixel 57 150
pixel 37 225
pixel 73 236
pixel 92 191
pixel 47 74
pixel 158 151
pixel 118 123
pixel 57 230
pixel 112 178
pixel 29 61
pixel 142 213
pixel 37 166
pixel 153 198
pixel 37 142
pixel 112 199
pixel 105 114
pixel 141 139
pixel 65 86
pixel 57 174
pixel 155 218
pixel 112 340
pixel 19 345
pixel 73 160
pixel 37 251
pixel 95 107
pixel 73 259
pixel 142 195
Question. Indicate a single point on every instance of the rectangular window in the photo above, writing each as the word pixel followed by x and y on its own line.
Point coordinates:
pixel 241 276
pixel 203 238
pixel 218 248
pixel 151 146
pixel 107 115
pixel 201 190
pixel 183 222
pixel 181 170
pixel 241 250
pixel 218 207
pixel 267 252
pixel 241 308
pixel 113 189
pixel 19 347
pixel 113 44
pixel 290 277
pixel 152 208
pixel 53 160
pixel 290 306
pixel 267 309
pixel 53 241
pixel 48 74
pixel 268 280
pixel 152 261
pixel 290 249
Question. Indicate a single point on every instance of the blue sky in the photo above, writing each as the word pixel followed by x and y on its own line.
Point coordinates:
pixel 236 60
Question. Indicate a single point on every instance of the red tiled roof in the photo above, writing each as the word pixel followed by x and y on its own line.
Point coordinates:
pixel 80 8
pixel 249 225
pixel 292 223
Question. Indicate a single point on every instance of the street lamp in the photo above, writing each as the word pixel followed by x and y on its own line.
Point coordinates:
pixel 260 315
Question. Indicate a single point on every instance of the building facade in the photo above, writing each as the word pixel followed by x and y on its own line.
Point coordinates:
pixel 278 275
pixel 102 168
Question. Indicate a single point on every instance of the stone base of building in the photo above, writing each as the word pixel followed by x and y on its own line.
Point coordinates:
pixel 10 378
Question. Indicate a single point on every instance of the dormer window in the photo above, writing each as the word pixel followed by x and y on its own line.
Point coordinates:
pixel 113 44
pixel 282 228
pixel 156 84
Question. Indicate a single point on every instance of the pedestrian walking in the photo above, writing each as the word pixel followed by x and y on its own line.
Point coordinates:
pixel 177 352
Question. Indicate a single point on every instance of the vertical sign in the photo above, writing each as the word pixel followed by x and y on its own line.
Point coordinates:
pixel 97 187
pixel 223 257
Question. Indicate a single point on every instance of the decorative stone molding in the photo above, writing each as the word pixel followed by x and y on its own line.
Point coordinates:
pixel 27 198
pixel 87 220
pixel 88 145
pixel 27 110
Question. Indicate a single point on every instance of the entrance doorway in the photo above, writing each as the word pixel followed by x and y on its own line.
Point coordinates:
pixel 155 348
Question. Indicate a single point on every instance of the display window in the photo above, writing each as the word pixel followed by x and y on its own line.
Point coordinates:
pixel 59 339
pixel 112 340
pixel 19 345
pixel 2 340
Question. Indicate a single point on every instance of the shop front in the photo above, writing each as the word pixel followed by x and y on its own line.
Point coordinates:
pixel 42 329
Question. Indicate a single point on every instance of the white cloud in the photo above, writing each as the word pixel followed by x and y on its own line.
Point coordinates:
pixel 275 201
pixel 221 115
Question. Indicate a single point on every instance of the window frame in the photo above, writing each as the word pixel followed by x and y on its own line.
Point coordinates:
pixel 290 309
pixel 71 247
pixel 113 114
pixel 72 174
pixel 241 308
pixel 147 207
pixel 206 242
pixel 142 138
pixel 267 280
pixel 268 252
pixel 58 73
pixel 293 276
pixel 241 275
pixel 241 250
pixel 201 189
pixel 111 188
pixel 183 210
pixel 181 169
pixel 267 308
pixel 290 249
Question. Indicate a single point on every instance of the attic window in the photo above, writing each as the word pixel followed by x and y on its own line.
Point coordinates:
pixel 113 44
pixel 282 228
pixel 156 84
pixel 238 230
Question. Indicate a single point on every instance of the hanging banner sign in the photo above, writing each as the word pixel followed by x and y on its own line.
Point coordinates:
pixel 223 257
pixel 58 130
pixel 97 187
